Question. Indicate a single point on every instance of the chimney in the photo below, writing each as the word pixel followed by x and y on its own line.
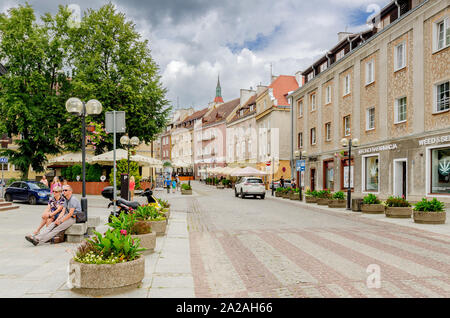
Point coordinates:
pixel 246 94
pixel 260 88
pixel 343 35
pixel 299 78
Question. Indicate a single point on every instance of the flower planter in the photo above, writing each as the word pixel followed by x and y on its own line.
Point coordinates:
pixel 186 192
pixel 337 203
pixel 286 195
pixel 148 241
pixel 398 212
pixel 310 199
pixel 322 201
pixel 372 208
pixel 429 217
pixel 159 227
pixel 220 186
pixel 166 212
pixel 106 279
pixel 278 194
pixel 295 196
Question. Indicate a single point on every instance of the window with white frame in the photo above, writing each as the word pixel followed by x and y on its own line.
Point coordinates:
pixel 347 85
pixel 400 56
pixel 442 34
pixel 328 131
pixel 313 136
pixel 323 66
pixel 347 125
pixel 328 94
pixel 400 110
pixel 300 108
pixel 370 118
pixel 310 76
pixel 442 97
pixel 340 54
pixel 313 102
pixel 370 74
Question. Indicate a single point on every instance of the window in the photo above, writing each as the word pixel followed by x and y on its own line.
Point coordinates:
pixel 323 66
pixel 300 140
pixel 300 108
pixel 400 110
pixel 313 102
pixel 310 76
pixel 347 125
pixel 328 131
pixel 313 136
pixel 370 78
pixel 347 85
pixel 340 54
pixel 265 104
pixel 241 113
pixel 400 56
pixel 442 97
pixel 251 108
pixel 328 94
pixel 440 171
pixel 371 173
pixel 370 118
pixel 328 168
pixel 442 34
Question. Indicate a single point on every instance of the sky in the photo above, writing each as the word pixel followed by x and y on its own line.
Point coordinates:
pixel 193 41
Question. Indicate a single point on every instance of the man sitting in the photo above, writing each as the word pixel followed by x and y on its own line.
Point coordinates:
pixel 66 218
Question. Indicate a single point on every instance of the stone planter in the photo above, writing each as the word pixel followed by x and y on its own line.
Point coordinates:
pixel 429 217
pixel 106 279
pixel 220 186
pixel 372 208
pixel 337 203
pixel 159 227
pixel 278 194
pixel 398 212
pixel 295 196
pixel 322 201
pixel 148 241
pixel 186 192
pixel 310 199
pixel 166 212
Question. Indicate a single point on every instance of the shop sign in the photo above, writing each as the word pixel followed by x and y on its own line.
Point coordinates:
pixel 378 148
pixel 434 140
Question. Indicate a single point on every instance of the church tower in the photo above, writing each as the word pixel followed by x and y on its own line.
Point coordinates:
pixel 218 99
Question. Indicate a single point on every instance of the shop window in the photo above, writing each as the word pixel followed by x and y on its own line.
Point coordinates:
pixel 328 173
pixel 371 173
pixel 440 171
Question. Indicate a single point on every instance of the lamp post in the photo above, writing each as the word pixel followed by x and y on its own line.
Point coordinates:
pixel 76 107
pixel 129 143
pixel 300 155
pixel 355 143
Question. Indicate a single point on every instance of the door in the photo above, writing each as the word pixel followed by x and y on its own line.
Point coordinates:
pixel 313 179
pixel 400 177
pixel 22 192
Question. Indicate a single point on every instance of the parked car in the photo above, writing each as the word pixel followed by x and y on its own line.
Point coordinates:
pixel 31 191
pixel 250 186
pixel 276 183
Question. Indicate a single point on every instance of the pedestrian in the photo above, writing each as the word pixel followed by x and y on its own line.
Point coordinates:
pixel 44 181
pixel 178 182
pixel 55 183
pixel 54 207
pixel 282 182
pixel 132 186
pixel 174 185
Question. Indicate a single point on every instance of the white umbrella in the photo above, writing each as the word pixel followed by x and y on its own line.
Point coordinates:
pixel 248 172
pixel 68 159
pixel 228 170
pixel 107 159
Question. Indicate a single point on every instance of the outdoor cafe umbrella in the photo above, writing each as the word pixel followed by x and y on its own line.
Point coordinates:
pixel 68 159
pixel 248 172
pixel 107 159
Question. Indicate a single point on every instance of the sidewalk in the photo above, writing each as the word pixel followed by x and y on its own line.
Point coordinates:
pixel 442 229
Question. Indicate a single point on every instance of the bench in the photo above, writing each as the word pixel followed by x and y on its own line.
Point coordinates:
pixel 75 233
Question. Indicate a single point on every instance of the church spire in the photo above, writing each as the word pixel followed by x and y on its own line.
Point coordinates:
pixel 218 98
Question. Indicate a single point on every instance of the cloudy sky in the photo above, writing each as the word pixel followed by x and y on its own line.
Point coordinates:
pixel 195 40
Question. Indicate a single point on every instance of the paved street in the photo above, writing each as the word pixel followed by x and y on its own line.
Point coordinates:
pixel 221 246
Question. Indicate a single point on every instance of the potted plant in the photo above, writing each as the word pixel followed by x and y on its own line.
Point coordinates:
pixel 337 200
pixel 371 204
pixel 165 207
pixel 279 192
pixel 107 264
pixel 295 194
pixel 221 184
pixel 429 212
pixel 151 214
pixel 137 229
pixel 186 189
pixel 323 196
pixel 311 196
pixel 287 193
pixel 397 207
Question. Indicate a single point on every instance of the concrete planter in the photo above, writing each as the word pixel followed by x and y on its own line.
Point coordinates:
pixel 372 208
pixel 286 195
pixel 186 192
pixel 337 203
pixel 398 212
pixel 278 194
pixel 106 279
pixel 159 227
pixel 295 196
pixel 220 186
pixel 310 199
pixel 322 201
pixel 147 241
pixel 429 217
pixel 166 212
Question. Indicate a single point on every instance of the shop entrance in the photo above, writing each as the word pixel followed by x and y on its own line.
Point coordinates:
pixel 400 177
pixel 313 179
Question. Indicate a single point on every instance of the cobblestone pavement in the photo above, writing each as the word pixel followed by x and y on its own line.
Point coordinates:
pixel 275 248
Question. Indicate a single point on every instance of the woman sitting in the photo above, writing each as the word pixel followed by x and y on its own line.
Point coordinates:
pixel 54 207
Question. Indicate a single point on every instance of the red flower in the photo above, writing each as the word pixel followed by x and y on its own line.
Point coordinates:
pixel 123 232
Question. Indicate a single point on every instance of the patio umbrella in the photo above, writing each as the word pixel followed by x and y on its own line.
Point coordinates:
pixel 248 172
pixel 107 159
pixel 68 159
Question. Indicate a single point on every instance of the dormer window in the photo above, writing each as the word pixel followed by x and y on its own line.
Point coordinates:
pixel 241 113
pixel 323 67
pixel 310 76
pixel 340 54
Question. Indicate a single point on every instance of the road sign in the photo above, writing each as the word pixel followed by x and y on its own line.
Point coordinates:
pixel 268 163
pixel 120 122
pixel 300 165
pixel 3 160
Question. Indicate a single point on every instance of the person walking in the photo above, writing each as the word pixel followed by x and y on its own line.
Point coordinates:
pixel 132 186
pixel 44 181
pixel 282 182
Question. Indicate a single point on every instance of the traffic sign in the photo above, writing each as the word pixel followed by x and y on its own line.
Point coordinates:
pixel 300 165
pixel 3 160
pixel 268 163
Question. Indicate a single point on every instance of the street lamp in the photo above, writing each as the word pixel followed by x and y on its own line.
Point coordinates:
pixel 129 143
pixel 76 107
pixel 355 143
pixel 300 155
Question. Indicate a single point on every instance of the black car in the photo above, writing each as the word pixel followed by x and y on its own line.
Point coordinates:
pixel 31 191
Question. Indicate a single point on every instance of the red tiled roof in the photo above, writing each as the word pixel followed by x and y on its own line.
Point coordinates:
pixel 282 85
pixel 250 101
pixel 221 112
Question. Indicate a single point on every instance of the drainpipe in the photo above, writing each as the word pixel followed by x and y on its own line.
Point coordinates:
pixel 351 42
pixel 398 6
pixel 329 60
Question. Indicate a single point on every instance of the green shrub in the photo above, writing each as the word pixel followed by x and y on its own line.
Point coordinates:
pixel 296 190
pixel 339 195
pixel 186 186
pixel 324 194
pixel 122 167
pixel 148 213
pixel 396 202
pixel 10 181
pixel 123 222
pixel 371 199
pixel 429 206
pixel 76 171
pixel 163 203
pixel 93 172
pixel 279 190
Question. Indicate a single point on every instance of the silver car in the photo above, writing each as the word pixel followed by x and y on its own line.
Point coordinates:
pixel 250 186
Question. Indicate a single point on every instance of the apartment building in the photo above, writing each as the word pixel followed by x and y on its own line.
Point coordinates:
pixel 273 120
pixel 388 87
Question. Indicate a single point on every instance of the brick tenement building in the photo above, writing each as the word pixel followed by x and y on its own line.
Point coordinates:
pixel 388 87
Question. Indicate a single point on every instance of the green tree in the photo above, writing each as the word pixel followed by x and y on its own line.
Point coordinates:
pixel 30 106
pixel 113 64
pixel 122 167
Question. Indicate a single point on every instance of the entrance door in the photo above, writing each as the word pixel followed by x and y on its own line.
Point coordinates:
pixel 313 179
pixel 400 177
